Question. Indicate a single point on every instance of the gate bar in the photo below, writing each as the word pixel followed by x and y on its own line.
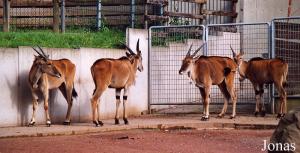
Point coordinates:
pixel 273 43
pixel 149 57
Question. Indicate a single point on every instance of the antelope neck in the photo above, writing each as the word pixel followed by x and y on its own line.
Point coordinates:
pixel 245 65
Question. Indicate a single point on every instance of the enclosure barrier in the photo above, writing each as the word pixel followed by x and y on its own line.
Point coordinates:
pixel 253 39
pixel 95 14
pixel 168 46
pixel 286 45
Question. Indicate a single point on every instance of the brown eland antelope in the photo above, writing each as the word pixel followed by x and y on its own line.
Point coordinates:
pixel 263 71
pixel 46 74
pixel 115 73
pixel 206 71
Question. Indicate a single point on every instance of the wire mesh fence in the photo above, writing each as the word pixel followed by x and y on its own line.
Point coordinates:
pixel 286 45
pixel 93 14
pixel 253 39
pixel 81 14
pixel 78 14
pixel 31 14
pixel 201 12
pixel 168 46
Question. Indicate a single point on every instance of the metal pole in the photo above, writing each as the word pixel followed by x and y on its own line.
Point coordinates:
pixel 149 71
pixel 6 15
pixel 161 11
pixel 99 15
pixel 272 56
pixel 63 16
pixel 206 33
pixel 146 14
pixel 132 10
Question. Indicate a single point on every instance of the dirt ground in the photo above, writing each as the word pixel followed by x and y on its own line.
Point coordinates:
pixel 146 141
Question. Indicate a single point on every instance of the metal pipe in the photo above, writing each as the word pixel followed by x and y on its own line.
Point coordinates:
pixel 63 16
pixel 230 24
pixel 272 55
pixel 198 103
pixel 99 15
pixel 149 70
pixel 6 15
pixel 132 10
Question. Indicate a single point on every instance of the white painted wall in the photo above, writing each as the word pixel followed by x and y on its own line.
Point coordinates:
pixel 15 97
pixel 265 10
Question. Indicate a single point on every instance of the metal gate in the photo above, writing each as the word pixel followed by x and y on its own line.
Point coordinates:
pixel 286 45
pixel 167 47
pixel 253 39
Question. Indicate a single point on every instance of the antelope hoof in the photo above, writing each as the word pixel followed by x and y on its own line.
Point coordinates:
pixel 117 121
pixel 204 118
pixel 100 123
pixel 255 113
pixel 31 124
pixel 67 123
pixel 96 123
pixel 263 113
pixel 125 121
pixel 48 123
pixel 232 117
pixel 220 116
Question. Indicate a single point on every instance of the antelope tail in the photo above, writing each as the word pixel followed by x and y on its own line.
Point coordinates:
pixel 93 75
pixel 284 81
pixel 74 93
pixel 227 71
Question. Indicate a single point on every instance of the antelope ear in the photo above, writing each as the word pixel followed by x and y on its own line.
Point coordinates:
pixel 138 45
pixel 131 60
pixel 242 53
pixel 127 54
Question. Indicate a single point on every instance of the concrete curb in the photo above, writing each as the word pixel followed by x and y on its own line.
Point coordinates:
pixel 77 129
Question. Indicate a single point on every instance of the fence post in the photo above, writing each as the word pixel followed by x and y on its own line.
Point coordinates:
pixel 99 14
pixel 272 55
pixel 6 15
pixel 63 16
pixel 132 10
pixel 146 14
pixel 55 16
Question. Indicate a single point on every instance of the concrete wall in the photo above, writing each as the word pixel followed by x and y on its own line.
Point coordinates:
pixel 16 105
pixel 265 10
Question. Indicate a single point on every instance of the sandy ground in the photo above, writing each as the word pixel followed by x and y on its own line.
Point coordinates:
pixel 146 141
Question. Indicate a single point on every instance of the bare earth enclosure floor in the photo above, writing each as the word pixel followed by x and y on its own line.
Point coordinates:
pixel 145 141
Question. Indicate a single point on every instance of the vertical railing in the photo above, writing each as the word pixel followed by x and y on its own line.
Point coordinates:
pixel 63 16
pixel 6 15
pixel 99 15
pixel 132 11
pixel 56 15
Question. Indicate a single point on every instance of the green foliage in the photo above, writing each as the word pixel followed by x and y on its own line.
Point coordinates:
pixel 75 38
pixel 178 21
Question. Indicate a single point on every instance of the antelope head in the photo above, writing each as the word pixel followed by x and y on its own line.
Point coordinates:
pixel 135 58
pixel 189 60
pixel 238 59
pixel 43 65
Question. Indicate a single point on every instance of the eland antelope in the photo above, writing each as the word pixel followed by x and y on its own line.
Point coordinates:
pixel 206 71
pixel 46 74
pixel 263 71
pixel 115 73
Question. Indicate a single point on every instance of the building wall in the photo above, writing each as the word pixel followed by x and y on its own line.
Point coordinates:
pixel 265 10
pixel 15 97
